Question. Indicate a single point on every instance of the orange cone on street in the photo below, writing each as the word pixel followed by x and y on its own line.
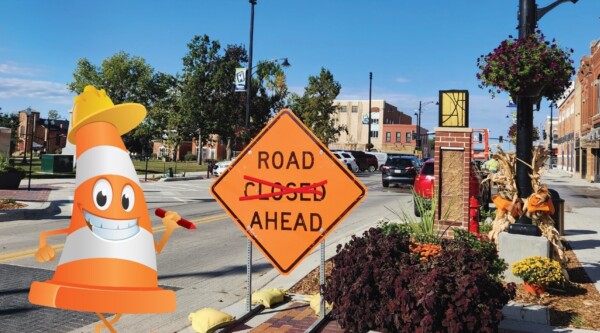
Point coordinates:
pixel 108 264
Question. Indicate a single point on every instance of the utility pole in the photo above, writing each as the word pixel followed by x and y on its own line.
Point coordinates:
pixel 418 136
pixel 370 85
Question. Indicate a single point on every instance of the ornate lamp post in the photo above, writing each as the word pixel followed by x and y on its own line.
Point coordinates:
pixel 29 113
pixel 529 14
pixel 247 123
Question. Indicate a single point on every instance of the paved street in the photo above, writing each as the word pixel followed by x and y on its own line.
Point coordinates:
pixel 206 267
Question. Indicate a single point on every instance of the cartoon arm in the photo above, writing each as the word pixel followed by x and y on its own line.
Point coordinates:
pixel 170 221
pixel 46 252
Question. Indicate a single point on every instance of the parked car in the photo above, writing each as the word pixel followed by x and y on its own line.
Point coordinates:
pixel 413 157
pixel 399 170
pixel 347 159
pixel 365 161
pixel 424 185
pixel 220 167
pixel 381 158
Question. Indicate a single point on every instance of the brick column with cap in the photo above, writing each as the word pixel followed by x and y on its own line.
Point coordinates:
pixel 453 146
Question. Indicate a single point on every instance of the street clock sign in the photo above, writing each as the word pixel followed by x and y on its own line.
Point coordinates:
pixel 286 191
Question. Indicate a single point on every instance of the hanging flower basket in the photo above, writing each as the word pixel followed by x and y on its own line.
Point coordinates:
pixel 526 67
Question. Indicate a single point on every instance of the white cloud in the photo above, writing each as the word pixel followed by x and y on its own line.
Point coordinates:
pixel 401 80
pixel 12 88
pixel 15 70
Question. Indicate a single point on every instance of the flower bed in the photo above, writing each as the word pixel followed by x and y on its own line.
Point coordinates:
pixel 379 283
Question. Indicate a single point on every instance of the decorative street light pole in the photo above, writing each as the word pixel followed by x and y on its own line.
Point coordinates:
pixel 32 125
pixel 248 81
pixel 249 71
pixel 370 85
pixel 529 14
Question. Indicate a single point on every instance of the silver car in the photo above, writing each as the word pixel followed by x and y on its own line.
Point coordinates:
pixel 220 167
pixel 347 159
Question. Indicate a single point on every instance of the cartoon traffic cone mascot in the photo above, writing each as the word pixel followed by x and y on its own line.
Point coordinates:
pixel 109 263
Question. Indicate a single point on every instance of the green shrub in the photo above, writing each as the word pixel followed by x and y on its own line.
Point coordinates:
pixel 6 167
pixel 377 283
pixel 189 156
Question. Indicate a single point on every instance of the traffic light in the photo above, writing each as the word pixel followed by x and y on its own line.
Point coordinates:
pixel 544 134
pixel 480 138
pixel 500 139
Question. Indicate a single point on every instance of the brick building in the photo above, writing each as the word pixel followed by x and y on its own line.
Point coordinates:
pixel 49 135
pixel 579 120
pixel 391 129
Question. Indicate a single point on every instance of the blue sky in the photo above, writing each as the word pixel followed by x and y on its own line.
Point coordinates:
pixel 413 48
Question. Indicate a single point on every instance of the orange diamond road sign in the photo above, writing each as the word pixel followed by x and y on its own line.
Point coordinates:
pixel 287 191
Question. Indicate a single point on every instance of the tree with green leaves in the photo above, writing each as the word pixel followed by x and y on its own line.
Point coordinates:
pixel 315 108
pixel 210 103
pixel 126 79
pixel 269 96
pixel 53 114
pixel 198 94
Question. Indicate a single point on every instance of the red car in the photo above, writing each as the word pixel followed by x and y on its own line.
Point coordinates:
pixel 423 186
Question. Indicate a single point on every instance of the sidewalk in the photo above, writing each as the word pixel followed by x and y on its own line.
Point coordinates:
pixel 296 316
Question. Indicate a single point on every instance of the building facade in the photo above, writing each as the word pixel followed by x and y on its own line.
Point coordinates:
pixel 564 137
pixel 391 129
pixel 49 135
pixel 588 76
pixel 578 136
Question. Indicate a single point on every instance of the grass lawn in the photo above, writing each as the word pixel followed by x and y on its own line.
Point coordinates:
pixel 154 167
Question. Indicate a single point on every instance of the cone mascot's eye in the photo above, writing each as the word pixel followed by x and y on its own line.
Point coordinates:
pixel 102 194
pixel 127 198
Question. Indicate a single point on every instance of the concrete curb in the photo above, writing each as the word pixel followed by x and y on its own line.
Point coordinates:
pixel 28 213
pixel 530 313
pixel 523 326
pixel 175 179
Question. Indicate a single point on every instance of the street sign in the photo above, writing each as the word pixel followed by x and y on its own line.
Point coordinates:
pixel 286 191
pixel 240 79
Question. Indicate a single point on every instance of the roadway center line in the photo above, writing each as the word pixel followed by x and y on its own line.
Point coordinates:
pixel 59 247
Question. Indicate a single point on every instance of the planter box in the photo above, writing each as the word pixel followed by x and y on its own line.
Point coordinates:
pixel 10 180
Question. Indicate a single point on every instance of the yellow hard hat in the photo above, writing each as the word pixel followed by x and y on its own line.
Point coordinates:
pixel 94 105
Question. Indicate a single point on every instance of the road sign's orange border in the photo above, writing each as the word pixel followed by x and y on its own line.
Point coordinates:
pixel 353 204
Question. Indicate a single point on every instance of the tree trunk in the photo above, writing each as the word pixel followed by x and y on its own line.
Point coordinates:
pixel 201 148
pixel 228 149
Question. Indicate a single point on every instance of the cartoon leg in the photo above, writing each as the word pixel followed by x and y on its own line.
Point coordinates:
pixel 106 323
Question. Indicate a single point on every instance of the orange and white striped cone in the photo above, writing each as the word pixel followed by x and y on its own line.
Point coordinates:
pixel 109 261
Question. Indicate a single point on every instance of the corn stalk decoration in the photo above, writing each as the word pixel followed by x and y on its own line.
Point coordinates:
pixel 538 207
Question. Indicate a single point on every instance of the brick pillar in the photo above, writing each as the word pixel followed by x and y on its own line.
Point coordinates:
pixel 453 147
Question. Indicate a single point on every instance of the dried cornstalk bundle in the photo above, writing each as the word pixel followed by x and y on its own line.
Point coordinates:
pixel 507 202
pixel 538 160
pixel 509 206
pixel 539 208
